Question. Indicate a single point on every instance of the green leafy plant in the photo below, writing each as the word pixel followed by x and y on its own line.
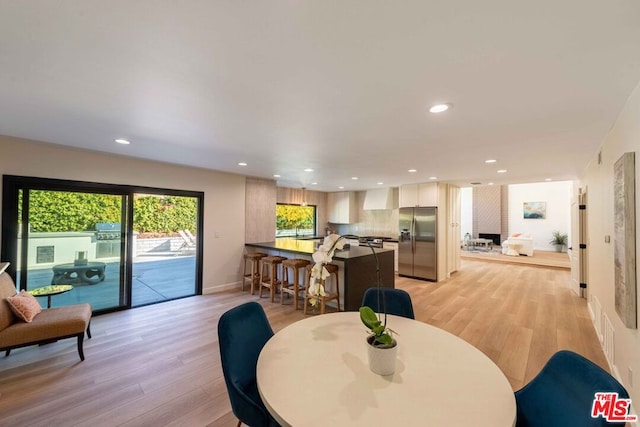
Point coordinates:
pixel 382 336
pixel 559 239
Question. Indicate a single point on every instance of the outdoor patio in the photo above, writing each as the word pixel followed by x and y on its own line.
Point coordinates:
pixel 155 278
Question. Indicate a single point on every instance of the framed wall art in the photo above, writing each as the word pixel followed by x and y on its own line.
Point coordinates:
pixel 534 210
pixel 624 196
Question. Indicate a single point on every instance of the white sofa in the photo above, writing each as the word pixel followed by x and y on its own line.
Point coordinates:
pixel 518 244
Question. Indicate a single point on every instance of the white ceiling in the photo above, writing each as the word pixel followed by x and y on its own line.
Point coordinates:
pixel 342 87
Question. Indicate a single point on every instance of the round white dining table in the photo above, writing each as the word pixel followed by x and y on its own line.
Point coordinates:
pixel 315 373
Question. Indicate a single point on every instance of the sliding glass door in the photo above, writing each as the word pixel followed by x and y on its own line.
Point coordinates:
pixel 165 247
pixel 112 246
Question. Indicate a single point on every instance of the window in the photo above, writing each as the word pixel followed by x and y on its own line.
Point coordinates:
pixel 295 220
pixel 119 246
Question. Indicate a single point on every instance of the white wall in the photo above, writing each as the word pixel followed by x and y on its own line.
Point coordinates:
pixel 558 197
pixel 224 200
pixel 598 181
pixel 466 211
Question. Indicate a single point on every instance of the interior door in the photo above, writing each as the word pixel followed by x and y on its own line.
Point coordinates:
pixel 574 246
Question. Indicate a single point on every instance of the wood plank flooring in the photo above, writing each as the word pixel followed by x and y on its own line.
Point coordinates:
pixel 160 365
pixel 539 258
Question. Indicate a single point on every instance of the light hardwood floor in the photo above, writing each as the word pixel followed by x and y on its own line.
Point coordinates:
pixel 160 365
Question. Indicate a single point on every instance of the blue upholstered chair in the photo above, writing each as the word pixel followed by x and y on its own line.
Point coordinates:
pixel 242 332
pixel 562 393
pixel 396 301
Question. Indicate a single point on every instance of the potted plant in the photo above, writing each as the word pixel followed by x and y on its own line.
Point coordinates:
pixel 559 240
pixel 382 348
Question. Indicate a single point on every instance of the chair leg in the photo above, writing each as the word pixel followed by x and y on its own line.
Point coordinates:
pixel 7 353
pixel 80 352
pixel 239 423
pixel 89 329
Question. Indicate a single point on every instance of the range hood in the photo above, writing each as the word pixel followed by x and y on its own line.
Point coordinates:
pixel 381 198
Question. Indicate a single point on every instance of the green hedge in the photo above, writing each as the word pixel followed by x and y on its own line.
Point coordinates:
pixel 65 211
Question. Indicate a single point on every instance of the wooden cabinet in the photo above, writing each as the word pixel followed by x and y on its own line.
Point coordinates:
pixel 425 194
pixel 394 246
pixel 342 207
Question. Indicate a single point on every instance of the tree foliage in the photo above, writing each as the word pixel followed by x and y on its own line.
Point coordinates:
pixel 292 216
pixel 51 211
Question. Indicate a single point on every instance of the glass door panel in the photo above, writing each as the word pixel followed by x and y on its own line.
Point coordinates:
pixel 74 238
pixel 164 247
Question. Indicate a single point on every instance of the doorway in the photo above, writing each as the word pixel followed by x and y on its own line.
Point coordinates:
pixel 57 232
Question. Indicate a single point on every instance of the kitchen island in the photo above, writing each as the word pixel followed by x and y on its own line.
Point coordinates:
pixel 357 265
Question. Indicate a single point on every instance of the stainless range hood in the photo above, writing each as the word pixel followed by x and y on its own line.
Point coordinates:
pixel 381 199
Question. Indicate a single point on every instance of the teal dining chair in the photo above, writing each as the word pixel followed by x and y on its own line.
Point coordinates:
pixel 562 394
pixel 392 301
pixel 242 332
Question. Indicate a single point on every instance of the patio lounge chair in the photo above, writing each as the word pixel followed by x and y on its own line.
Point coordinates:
pixel 188 245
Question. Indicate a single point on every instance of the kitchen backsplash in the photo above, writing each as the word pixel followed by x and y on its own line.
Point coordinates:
pixel 383 223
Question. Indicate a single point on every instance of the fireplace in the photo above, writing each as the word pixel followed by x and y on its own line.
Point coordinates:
pixel 494 237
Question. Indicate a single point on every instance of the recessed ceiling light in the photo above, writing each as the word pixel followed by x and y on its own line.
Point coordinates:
pixel 341 187
pixel 433 177
pixel 491 183
pixel 413 170
pixel 490 161
pixel 242 164
pixel 314 183
pixel 380 183
pixel 439 108
pixel 548 179
pixel 354 177
pixel 123 141
pixel 502 171
pixel 276 175
pixel 308 170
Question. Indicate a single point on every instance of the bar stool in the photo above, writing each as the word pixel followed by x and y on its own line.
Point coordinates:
pixel 270 279
pixel 332 293
pixel 295 286
pixel 254 275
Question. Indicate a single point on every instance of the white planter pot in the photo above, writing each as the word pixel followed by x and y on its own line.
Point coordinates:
pixel 382 361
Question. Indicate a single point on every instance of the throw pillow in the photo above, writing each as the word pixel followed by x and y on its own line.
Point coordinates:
pixel 24 305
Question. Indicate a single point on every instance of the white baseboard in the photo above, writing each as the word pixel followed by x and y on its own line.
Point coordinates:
pixel 221 288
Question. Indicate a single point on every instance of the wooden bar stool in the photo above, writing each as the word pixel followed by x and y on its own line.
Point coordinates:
pixel 270 279
pixel 254 275
pixel 295 286
pixel 331 292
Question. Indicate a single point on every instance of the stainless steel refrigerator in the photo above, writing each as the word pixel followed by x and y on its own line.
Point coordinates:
pixel 417 239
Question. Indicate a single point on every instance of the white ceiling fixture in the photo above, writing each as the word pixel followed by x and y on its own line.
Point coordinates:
pixel 412 171
pixel 123 141
pixel 200 92
pixel 355 178
pixel 439 108
pixel 490 161
pixel 276 175
pixel 308 170
pixel 341 187
pixel 433 177
pixel 242 164
pixel 381 183
pixel 502 171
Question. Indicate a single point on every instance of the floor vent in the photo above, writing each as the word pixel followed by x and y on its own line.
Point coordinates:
pixel 607 341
